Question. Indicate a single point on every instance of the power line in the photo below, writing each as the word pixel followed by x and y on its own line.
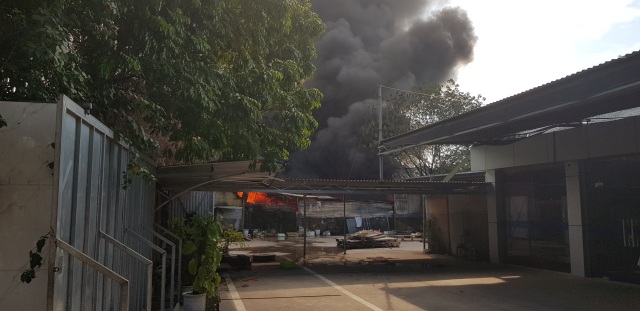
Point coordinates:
pixel 406 91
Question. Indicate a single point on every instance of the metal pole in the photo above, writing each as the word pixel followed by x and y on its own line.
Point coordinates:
pixel 424 223
pixel 173 261
pixel 380 130
pixel 344 217
pixel 245 195
pixel 137 256
pixel 393 218
pixel 163 279
pixel 304 224
pixel 167 231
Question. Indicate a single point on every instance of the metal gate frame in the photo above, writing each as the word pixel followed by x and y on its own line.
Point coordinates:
pixel 88 199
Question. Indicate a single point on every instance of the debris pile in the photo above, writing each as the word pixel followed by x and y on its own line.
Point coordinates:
pixel 368 239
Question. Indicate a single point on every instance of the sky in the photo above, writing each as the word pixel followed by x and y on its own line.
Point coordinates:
pixel 520 45
pixel 525 44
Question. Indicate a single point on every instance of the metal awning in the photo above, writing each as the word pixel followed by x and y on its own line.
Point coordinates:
pixel 568 102
pixel 330 186
pixel 235 174
pixel 238 176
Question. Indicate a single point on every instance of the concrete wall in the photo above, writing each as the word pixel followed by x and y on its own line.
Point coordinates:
pixel 468 223
pixel 25 199
pixel 438 216
pixel 458 219
pixel 589 141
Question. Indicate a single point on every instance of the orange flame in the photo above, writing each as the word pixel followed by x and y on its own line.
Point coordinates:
pixel 256 197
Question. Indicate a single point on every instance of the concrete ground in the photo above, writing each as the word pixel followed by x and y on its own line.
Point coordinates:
pixel 406 279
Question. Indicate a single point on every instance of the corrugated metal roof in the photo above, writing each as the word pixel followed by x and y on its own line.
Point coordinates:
pixel 611 87
pixel 477 176
pixel 331 186
pixel 238 176
pixel 241 174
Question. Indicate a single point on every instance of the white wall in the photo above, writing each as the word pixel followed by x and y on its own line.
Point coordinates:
pixel 25 199
pixel 589 141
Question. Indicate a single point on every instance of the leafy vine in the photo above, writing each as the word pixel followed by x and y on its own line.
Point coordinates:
pixel 35 258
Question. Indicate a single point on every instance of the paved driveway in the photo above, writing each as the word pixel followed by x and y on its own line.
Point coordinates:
pixel 433 283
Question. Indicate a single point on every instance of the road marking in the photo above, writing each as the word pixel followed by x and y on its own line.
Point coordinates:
pixel 346 292
pixel 234 293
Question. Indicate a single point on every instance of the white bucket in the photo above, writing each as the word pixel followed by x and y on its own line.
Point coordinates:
pixel 281 236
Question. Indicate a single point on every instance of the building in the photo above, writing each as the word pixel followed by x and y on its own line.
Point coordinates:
pixel 563 159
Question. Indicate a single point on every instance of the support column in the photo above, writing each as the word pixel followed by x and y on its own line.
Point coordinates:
pixel 423 204
pixel 574 214
pixel 493 217
pixel 304 214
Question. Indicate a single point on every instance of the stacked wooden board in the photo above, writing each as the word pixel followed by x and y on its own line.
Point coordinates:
pixel 368 239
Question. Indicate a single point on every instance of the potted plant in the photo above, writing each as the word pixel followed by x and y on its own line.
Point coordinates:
pixel 201 235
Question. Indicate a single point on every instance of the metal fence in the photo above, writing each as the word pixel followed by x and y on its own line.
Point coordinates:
pixel 196 202
pixel 94 215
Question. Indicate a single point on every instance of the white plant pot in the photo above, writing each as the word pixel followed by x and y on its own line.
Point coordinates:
pixel 185 289
pixel 193 302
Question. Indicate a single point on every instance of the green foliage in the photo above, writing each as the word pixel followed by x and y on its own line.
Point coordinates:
pixel 424 105
pixel 35 259
pixel 182 80
pixel 201 235
pixel 231 237
pixel 134 167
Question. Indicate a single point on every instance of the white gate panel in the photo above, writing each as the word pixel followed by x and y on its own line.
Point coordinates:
pixel 90 198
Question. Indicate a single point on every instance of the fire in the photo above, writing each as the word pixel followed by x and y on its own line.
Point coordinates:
pixel 270 201
pixel 256 197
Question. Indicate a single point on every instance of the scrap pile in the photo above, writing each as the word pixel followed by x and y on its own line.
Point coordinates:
pixel 368 239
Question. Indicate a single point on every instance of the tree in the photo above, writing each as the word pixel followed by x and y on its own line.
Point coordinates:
pixel 190 80
pixel 405 111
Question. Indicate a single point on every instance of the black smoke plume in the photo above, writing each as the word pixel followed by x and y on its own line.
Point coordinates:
pixel 369 43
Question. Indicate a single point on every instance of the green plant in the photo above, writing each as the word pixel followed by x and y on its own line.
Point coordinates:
pixel 135 167
pixel 35 259
pixel 231 237
pixel 201 235
pixel 133 60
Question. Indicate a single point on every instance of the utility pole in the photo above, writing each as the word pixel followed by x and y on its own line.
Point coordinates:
pixel 380 130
